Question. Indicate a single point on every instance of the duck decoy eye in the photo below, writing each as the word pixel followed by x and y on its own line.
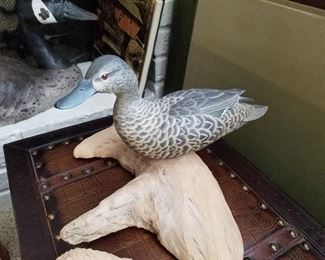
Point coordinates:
pixel 104 76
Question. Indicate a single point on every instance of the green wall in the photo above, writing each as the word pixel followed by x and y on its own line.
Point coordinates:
pixel 276 51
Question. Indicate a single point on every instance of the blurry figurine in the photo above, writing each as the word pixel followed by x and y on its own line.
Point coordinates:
pixel 26 91
pixel 8 17
pixel 34 14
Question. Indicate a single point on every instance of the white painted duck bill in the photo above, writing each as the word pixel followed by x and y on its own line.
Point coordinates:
pixel 77 96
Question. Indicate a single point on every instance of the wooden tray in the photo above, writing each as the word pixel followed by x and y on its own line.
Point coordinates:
pixel 49 188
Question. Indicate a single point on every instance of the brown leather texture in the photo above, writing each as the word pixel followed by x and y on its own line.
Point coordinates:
pixel 67 187
pixel 4 255
pixel 83 191
pixel 65 199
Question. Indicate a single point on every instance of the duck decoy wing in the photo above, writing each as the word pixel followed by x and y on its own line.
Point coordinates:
pixel 12 94
pixel 15 77
pixel 202 101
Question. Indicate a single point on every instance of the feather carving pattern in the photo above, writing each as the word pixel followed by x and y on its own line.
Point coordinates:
pixel 181 122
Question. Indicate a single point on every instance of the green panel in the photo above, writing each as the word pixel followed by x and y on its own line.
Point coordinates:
pixel 288 144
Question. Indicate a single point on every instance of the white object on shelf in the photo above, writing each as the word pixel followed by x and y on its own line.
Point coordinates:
pixel 167 15
pixel 158 68
pixel 151 44
pixel 162 41
pixel 157 88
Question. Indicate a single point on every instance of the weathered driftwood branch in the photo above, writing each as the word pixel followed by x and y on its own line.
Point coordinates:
pixel 86 254
pixel 177 199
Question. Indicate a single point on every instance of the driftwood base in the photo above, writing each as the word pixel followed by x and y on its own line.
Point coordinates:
pixel 86 254
pixel 177 199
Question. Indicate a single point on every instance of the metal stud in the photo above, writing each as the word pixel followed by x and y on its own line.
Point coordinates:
pixel 66 142
pixel 87 170
pixel 46 197
pixel 44 186
pixel 80 138
pixel 209 151
pixel 50 216
pixel 66 177
pixel 245 188
pixel 108 163
pixel 274 247
pixel 38 165
pixel 306 246
pixel 232 175
pixel 57 237
pixel 280 222
pixel 292 233
pixel 263 206
pixel 42 178
pixel 50 147
pixel 34 152
pixel 220 163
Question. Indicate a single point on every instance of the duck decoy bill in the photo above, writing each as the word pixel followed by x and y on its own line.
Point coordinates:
pixel 77 96
pixel 71 11
pixel 52 11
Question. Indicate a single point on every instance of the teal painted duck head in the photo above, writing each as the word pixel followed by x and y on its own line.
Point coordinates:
pixel 107 74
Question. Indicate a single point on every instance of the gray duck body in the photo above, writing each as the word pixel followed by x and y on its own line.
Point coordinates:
pixel 181 122
pixel 26 91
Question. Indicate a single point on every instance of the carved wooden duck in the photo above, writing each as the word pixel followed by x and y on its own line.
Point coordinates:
pixel 26 91
pixel 181 122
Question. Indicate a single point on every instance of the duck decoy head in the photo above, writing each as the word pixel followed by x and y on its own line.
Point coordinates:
pixel 107 74
pixel 53 11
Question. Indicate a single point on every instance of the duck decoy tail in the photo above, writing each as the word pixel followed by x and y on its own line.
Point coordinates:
pixel 256 111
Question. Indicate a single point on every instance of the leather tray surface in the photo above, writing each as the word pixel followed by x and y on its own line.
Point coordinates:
pixel 4 255
pixel 50 188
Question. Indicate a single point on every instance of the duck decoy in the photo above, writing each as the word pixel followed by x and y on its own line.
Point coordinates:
pixel 8 19
pixel 8 22
pixel 181 122
pixel 26 91
pixel 34 14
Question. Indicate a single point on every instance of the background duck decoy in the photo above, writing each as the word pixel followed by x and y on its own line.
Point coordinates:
pixel 183 121
pixel 8 18
pixel 36 17
pixel 26 91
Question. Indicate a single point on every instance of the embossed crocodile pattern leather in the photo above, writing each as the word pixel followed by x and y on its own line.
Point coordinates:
pixel 298 253
pixel 254 222
pixel 265 234
pixel 4 255
pixel 69 200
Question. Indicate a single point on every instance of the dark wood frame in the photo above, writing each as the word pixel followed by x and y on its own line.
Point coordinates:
pixel 314 3
pixel 30 216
